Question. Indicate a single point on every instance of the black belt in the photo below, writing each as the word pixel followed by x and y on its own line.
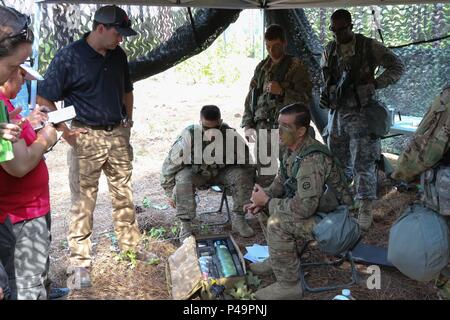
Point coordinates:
pixel 109 127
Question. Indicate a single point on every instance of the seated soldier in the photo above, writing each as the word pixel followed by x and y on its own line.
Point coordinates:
pixel 428 154
pixel 188 168
pixel 296 194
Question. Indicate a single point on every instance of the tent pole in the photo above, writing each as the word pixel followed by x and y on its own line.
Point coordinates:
pixel 35 53
pixel 263 47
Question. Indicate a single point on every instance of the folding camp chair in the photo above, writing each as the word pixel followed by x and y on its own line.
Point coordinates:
pixel 347 256
pixel 223 200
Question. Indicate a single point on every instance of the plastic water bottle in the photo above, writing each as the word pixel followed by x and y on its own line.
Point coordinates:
pixel 345 295
pixel 226 261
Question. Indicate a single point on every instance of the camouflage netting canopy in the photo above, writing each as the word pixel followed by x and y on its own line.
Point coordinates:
pixel 166 35
pixel 170 35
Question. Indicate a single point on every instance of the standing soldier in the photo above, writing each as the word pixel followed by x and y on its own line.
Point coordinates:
pixel 279 79
pixel 349 64
pixel 292 200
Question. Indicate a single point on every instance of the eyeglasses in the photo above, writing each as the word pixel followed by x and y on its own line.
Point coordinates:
pixel 336 30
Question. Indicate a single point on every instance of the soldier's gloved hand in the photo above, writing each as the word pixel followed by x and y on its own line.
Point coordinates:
pixel 250 134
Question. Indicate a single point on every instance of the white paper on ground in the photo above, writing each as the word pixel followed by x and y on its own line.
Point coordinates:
pixel 257 253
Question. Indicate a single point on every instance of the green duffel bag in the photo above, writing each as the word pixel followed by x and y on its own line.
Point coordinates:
pixel 418 243
pixel 336 232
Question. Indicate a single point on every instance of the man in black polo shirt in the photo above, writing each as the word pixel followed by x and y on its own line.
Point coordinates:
pixel 92 75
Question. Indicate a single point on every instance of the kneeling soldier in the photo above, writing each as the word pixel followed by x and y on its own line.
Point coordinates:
pixel 187 168
pixel 299 191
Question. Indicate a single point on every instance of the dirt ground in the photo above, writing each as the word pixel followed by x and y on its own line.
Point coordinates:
pixel 162 108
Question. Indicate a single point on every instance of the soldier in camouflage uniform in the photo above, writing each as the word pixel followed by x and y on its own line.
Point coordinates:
pixel 292 200
pixel 429 149
pixel 183 171
pixel 279 80
pixel 348 64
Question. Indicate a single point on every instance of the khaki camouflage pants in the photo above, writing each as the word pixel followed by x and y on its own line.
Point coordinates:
pixel 94 152
pixel 356 150
pixel 282 233
pixel 238 180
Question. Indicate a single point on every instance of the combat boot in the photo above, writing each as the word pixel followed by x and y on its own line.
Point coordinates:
pixel 262 268
pixel 365 217
pixel 444 292
pixel 185 230
pixel 443 286
pixel 240 225
pixel 280 291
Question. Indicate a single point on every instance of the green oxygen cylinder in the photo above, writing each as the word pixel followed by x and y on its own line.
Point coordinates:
pixel 225 259
pixel 6 149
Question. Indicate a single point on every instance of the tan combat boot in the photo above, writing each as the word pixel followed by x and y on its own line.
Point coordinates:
pixel 365 217
pixel 240 225
pixel 280 291
pixel 262 268
pixel 185 230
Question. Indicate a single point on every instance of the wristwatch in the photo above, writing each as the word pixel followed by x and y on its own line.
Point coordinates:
pixel 127 123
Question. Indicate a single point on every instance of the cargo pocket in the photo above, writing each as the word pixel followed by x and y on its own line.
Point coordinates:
pixel 430 196
pixel 442 189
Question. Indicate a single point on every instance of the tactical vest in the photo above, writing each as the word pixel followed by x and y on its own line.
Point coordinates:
pixel 290 184
pixel 267 104
pixel 212 170
pixel 347 77
pixel 352 72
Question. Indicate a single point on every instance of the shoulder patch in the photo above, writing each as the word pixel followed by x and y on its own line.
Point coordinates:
pixel 306 185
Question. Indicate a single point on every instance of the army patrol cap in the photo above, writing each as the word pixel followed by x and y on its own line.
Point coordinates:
pixel 117 17
pixel 12 23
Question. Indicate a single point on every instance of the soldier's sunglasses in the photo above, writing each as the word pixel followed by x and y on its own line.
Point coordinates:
pixel 336 30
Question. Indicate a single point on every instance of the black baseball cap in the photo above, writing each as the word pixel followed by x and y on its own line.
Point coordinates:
pixel 12 23
pixel 117 17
